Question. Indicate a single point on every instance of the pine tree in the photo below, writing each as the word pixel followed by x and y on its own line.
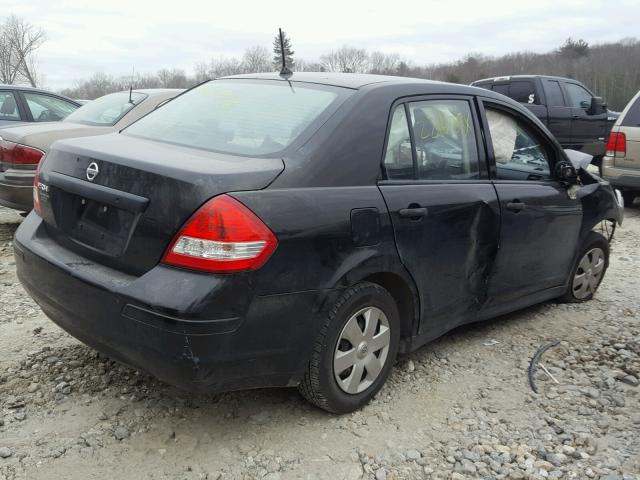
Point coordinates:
pixel 277 51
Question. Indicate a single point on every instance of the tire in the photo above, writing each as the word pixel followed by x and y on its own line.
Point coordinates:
pixel 590 267
pixel 628 198
pixel 358 306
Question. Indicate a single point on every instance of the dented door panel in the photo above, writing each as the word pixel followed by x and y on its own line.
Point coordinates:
pixel 450 250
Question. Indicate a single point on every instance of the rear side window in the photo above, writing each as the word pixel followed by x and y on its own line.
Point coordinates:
pixel 8 107
pixel 398 158
pixel 244 117
pixel 445 140
pixel 632 118
pixel 520 154
pixel 555 98
pixel 523 92
pixel 502 88
pixel 45 108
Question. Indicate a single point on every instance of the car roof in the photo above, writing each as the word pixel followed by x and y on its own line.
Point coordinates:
pixel 521 77
pixel 346 80
pixel 26 88
pixel 154 91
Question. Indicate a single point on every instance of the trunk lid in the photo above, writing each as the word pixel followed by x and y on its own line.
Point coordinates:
pixel 119 200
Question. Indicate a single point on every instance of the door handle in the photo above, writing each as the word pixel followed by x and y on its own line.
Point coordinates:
pixel 575 116
pixel 415 213
pixel 516 206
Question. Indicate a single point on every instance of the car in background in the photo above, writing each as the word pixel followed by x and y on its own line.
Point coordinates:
pixel 22 147
pixel 577 118
pixel 621 165
pixel 20 104
pixel 267 230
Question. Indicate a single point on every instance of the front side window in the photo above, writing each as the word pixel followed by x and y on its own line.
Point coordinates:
pixel 244 117
pixel 579 97
pixel 398 158
pixel 8 107
pixel 445 140
pixel 45 108
pixel 519 153
pixel 107 110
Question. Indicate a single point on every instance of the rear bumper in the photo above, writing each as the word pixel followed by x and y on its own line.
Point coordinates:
pixel 164 322
pixel 621 177
pixel 16 189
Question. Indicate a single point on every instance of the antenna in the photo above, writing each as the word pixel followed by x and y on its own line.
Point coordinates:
pixel 285 70
pixel 133 69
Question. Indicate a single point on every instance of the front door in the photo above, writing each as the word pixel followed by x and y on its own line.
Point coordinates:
pixel 587 128
pixel 443 207
pixel 540 221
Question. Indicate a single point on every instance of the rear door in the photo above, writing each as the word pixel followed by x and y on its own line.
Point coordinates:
pixel 559 111
pixel 630 126
pixel 540 221
pixel 442 205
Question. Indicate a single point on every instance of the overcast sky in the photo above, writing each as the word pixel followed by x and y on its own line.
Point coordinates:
pixel 113 35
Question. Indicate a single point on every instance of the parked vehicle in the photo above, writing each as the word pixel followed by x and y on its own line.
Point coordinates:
pixel 621 165
pixel 578 119
pixel 303 230
pixel 20 104
pixel 22 147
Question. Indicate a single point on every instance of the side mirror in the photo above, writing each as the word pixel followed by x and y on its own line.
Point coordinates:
pixel 566 172
pixel 597 106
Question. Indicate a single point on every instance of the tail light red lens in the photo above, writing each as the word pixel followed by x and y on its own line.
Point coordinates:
pixel 617 144
pixel 36 191
pixel 17 154
pixel 223 236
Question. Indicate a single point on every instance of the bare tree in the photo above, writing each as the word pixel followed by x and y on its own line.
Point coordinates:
pixel 19 42
pixel 174 78
pixel 346 59
pixel 256 59
pixel 384 63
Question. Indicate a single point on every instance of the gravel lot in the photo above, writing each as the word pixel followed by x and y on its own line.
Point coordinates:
pixel 459 408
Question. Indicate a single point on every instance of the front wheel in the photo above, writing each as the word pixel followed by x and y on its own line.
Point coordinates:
pixel 591 265
pixel 355 350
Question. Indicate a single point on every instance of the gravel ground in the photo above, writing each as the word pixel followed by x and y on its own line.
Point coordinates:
pixel 458 408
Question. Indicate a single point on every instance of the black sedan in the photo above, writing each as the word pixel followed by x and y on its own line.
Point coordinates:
pixel 305 230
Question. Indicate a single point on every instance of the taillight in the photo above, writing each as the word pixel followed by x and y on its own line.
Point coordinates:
pixel 617 144
pixel 36 191
pixel 222 236
pixel 19 154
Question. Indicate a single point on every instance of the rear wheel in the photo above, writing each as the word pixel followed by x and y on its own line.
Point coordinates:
pixel 628 197
pixel 589 270
pixel 355 350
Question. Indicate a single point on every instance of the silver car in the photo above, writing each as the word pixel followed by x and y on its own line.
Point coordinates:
pixel 621 165
pixel 22 147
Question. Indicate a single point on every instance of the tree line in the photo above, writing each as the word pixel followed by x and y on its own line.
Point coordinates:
pixel 611 70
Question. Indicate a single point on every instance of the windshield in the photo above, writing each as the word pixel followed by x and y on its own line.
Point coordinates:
pixel 245 117
pixel 107 110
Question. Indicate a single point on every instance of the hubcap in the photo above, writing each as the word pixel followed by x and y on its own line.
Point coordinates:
pixel 589 273
pixel 362 350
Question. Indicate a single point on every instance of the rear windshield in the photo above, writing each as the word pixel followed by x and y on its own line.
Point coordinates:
pixel 244 117
pixel 107 110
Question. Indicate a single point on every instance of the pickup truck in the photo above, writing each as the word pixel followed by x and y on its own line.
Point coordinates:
pixel 578 119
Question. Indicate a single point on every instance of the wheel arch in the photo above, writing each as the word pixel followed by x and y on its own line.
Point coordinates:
pixel 406 300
